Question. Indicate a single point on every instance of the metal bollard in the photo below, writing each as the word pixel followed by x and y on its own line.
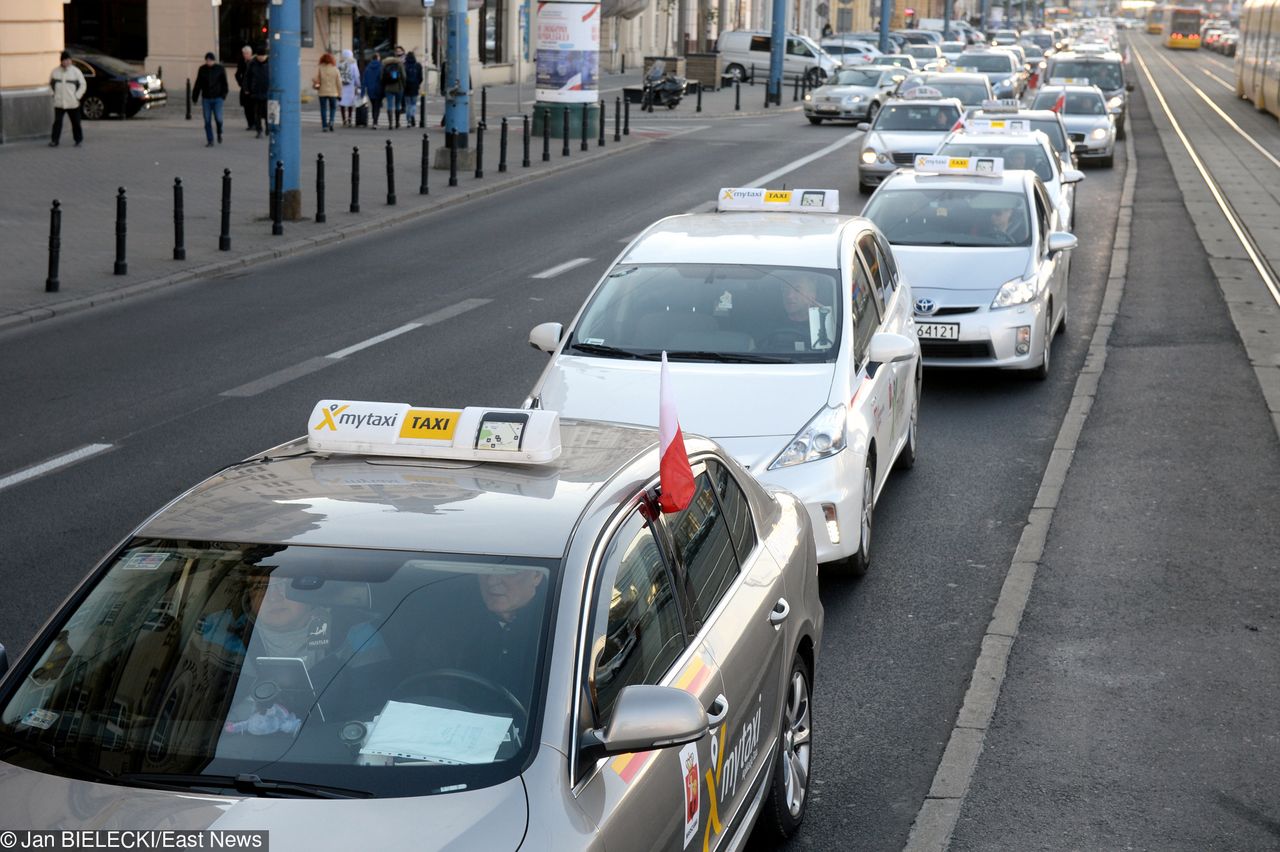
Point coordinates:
pixel 188 99
pixel 737 96
pixel 502 147
pixel 122 266
pixel 600 139
pixel 524 162
pixel 795 90
pixel 626 116
pixel 422 111
pixel 453 158
pixel 277 201
pixel 585 122
pixel 423 189
pixel 320 217
pixel 480 150
pixel 751 81
pixel 768 96
pixel 623 68
pixel 699 109
pixel 55 247
pixel 617 119
pixel 546 134
pixel 391 175
pixel 179 237
pixel 224 236
pixel 484 105
pixel 355 180
pixel 564 146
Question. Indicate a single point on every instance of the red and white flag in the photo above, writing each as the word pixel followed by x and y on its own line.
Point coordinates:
pixel 674 473
pixel 1060 104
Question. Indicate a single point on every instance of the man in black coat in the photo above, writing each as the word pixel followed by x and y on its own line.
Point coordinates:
pixel 242 80
pixel 259 79
pixel 211 84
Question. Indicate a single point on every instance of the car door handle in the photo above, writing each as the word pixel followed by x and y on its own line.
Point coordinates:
pixel 718 710
pixel 780 612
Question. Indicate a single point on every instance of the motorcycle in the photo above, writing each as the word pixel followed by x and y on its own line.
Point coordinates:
pixel 661 88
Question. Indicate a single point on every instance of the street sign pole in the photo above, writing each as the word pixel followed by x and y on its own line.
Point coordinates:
pixel 779 41
pixel 946 19
pixel 457 105
pixel 283 104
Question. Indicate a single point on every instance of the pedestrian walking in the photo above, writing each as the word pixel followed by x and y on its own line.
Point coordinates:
pixel 242 80
pixel 412 87
pixel 349 98
pixel 68 87
pixel 211 84
pixel 328 84
pixel 393 88
pixel 372 82
pixel 259 80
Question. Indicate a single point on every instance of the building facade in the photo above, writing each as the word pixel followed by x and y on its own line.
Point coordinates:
pixel 31 38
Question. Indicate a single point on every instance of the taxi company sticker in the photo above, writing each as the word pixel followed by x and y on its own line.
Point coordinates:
pixel 692 785
pixel 777 196
pixel 429 425
pixel 38 718
pixel 144 562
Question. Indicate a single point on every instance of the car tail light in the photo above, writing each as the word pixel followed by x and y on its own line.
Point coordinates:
pixel 136 88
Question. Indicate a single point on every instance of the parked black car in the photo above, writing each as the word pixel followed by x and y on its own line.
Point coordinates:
pixel 114 86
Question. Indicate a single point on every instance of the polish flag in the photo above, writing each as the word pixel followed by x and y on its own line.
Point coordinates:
pixel 674 473
pixel 1060 104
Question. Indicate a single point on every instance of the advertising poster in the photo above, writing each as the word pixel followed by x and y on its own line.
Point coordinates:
pixel 568 45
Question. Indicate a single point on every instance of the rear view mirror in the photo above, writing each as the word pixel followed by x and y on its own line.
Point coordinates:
pixel 1061 241
pixel 1072 175
pixel 889 348
pixel 546 336
pixel 647 717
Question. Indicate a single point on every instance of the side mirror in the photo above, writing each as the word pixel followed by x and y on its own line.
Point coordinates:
pixel 889 348
pixel 1072 175
pixel 546 336
pixel 864 126
pixel 647 717
pixel 1114 110
pixel 1062 241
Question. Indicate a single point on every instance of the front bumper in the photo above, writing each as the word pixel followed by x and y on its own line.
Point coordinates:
pixel 988 338
pixel 875 173
pixel 855 112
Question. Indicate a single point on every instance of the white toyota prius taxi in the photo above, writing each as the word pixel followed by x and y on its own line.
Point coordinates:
pixel 791 343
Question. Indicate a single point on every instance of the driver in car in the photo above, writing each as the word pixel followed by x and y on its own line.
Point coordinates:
pixel 799 294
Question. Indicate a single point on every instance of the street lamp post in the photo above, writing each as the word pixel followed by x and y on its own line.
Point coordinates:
pixel 283 107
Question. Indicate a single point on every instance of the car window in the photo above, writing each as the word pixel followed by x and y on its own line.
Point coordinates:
pixel 1031 157
pixel 1053 129
pixel 737 511
pixel 704 546
pixel 796 47
pixel 865 315
pixel 985 64
pixel 890 265
pixel 85 68
pixel 1042 217
pixel 637 627
pixel 924 117
pixel 871 257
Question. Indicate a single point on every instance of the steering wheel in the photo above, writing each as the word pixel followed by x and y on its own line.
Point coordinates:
pixel 1004 238
pixel 782 337
pixel 409 686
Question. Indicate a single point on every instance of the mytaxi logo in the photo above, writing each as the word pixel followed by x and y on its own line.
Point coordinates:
pixel 327 415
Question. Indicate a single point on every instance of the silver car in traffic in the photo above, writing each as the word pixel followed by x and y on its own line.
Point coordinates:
pixel 852 94
pixel 904 129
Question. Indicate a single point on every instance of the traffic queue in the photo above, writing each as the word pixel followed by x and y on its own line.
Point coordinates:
pixel 592 621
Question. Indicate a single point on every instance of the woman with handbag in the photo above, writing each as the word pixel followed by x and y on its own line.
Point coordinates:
pixel 349 98
pixel 328 85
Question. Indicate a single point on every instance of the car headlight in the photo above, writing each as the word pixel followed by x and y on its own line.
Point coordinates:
pixel 808 97
pixel 868 156
pixel 1017 291
pixel 821 437
pixel 1098 134
pixel 1008 81
pixel 1115 103
pixel 853 99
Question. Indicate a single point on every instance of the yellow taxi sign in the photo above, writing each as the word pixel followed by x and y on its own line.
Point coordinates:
pixel 997 126
pixel 972 166
pixel 921 92
pixel 1069 81
pixel 751 198
pixel 397 429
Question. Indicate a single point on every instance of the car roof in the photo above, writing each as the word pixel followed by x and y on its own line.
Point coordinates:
pixel 294 496
pixel 1002 138
pixel 750 238
pixel 1073 87
pixel 898 100
pixel 1010 181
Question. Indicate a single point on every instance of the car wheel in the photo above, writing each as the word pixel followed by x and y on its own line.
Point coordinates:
pixel 1062 323
pixel 857 564
pixel 735 73
pixel 93 108
pixel 789 790
pixel 1107 161
pixel 1041 372
pixel 1120 129
pixel 907 458
pixel 813 119
pixel 865 188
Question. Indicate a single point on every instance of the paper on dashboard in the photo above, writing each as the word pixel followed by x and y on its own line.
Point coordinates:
pixel 417 732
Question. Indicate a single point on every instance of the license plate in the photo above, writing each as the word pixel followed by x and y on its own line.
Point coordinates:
pixel 938 330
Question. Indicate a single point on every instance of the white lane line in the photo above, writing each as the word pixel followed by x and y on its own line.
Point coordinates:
pixel 562 268
pixel 1223 82
pixel 52 464
pixel 373 341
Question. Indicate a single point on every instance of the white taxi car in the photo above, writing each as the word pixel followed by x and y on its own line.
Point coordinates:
pixel 987 256
pixel 792 344
pixel 911 124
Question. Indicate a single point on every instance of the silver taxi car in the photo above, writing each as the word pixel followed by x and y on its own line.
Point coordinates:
pixel 852 93
pixel 987 256
pixel 909 125
pixel 434 629
pixel 1091 126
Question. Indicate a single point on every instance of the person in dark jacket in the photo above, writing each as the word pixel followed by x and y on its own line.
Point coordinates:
pixel 242 80
pixel 211 84
pixel 373 88
pixel 259 79
pixel 412 87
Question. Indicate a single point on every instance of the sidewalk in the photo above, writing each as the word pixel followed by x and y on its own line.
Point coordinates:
pixel 146 153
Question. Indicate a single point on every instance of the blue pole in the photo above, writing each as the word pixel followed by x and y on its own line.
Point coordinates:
pixel 779 41
pixel 946 19
pixel 283 105
pixel 886 12
pixel 457 105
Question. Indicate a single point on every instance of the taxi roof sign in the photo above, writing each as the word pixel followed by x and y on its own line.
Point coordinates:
pixel 507 435
pixel 1069 81
pixel 971 166
pixel 737 199
pixel 921 92
pixel 997 126
pixel 1002 105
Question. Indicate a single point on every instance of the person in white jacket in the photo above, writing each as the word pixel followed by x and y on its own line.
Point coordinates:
pixel 68 88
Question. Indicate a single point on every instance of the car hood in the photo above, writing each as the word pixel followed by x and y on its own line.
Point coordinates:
pixel 981 269
pixel 1085 123
pixel 490 818
pixel 913 141
pixel 844 91
pixel 717 400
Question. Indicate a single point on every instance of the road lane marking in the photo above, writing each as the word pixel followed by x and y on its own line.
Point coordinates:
pixel 562 268
pixel 50 465
pixel 1224 83
pixel 312 365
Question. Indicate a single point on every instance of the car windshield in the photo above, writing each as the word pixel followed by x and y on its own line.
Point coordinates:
pixel 923 51
pixel 380 672
pixel 985 64
pixel 1053 129
pixel 1074 103
pixel 1107 76
pixel 1016 156
pixel 928 117
pixel 928 216
pixel 1032 51
pixel 899 59
pixel 713 312
pixel 856 77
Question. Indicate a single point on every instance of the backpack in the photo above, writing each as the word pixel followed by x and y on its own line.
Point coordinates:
pixel 393 74
pixel 345 72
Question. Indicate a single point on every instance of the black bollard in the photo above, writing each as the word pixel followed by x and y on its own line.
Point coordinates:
pixel 55 246
pixel 737 96
pixel 480 150
pixel 423 189
pixel 546 135
pixel 768 96
pixel 795 90
pixel 355 180
pixel 224 236
pixel 277 201
pixel 502 147
pixel 623 68
pixel 600 139
pixel 122 267
pixel 391 175
pixel 320 217
pixel 179 237
pixel 525 162
pixel 484 105
pixel 564 146
pixel 453 158
pixel 646 105
pixel 617 119
pixel 188 99
pixel 422 111
pixel 626 116
pixel 699 109
pixel 751 81
pixel 585 122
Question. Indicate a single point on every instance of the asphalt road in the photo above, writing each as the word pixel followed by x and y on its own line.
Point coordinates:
pixel 149 378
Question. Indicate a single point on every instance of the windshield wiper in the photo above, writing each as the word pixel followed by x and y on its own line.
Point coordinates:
pixel 49 754
pixel 245 782
pixel 612 351
pixel 727 357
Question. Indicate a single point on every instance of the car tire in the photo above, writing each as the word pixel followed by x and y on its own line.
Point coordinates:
pixel 735 73
pixel 1041 372
pixel 813 119
pixel 865 188
pixel 1062 323
pixel 1120 129
pixel 93 108
pixel 789 787
pixel 1107 161
pixel 857 564
pixel 907 457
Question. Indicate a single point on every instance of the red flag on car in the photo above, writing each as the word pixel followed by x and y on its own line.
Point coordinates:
pixel 1060 104
pixel 674 473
